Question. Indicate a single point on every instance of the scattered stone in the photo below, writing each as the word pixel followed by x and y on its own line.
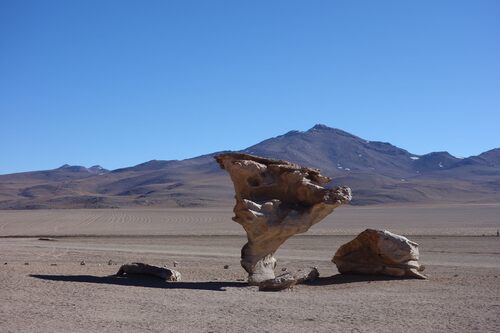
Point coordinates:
pixel 145 269
pixel 53 264
pixel 111 262
pixel 5 263
pixel 226 266
pixel 281 282
pixel 82 263
pixel 275 200
pixel 46 239
pixel 307 276
pixel 176 263
pixel 26 263
pixel 287 280
pixel 379 252
pixel 283 269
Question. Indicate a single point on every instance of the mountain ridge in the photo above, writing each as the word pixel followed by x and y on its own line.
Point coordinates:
pixel 378 172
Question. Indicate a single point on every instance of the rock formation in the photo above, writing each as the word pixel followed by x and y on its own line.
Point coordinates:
pixel 379 252
pixel 145 269
pixel 275 200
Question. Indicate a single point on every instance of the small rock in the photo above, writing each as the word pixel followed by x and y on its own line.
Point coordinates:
pixel 226 266
pixel 283 269
pixel 46 239
pixel 282 282
pixel 5 263
pixel 176 263
pixel 26 263
pixel 307 276
pixel 145 269
pixel 53 264
pixel 111 262
pixel 82 262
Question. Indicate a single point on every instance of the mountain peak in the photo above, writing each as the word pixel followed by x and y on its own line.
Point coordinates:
pixel 78 168
pixel 97 169
pixel 330 130
pixel 320 127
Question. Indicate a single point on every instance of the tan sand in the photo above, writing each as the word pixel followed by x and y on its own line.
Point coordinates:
pixel 54 293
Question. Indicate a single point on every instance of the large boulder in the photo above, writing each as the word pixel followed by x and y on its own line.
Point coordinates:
pixel 379 252
pixel 275 200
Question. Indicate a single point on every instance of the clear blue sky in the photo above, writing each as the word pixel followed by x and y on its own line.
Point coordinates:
pixel 118 83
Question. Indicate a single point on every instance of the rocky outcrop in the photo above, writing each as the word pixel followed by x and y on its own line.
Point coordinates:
pixel 275 200
pixel 137 268
pixel 379 252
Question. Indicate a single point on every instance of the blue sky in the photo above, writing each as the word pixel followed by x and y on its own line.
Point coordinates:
pixel 118 83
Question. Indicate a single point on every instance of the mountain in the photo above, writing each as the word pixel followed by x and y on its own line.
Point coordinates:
pixel 377 172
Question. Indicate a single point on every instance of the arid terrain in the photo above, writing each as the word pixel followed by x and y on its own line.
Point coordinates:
pixel 44 287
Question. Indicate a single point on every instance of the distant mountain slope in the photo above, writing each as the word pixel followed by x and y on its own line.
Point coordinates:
pixel 334 151
pixel 377 172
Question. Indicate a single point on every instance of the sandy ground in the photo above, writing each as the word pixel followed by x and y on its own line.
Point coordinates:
pixel 54 293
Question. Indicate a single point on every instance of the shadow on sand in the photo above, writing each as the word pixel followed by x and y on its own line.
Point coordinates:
pixel 151 282
pixel 351 278
pixel 142 281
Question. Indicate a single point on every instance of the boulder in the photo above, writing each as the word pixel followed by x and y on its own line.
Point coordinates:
pixel 379 252
pixel 275 200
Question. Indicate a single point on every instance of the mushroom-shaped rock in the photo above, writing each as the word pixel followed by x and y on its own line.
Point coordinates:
pixel 379 252
pixel 275 200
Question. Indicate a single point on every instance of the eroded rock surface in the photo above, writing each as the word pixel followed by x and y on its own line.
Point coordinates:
pixel 275 200
pixel 379 252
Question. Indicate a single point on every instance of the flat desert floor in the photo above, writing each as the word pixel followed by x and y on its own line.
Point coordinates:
pixel 44 288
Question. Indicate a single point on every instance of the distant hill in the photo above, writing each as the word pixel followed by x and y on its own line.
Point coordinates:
pixel 377 172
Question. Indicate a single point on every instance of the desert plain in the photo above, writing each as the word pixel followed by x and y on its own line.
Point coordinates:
pixel 45 288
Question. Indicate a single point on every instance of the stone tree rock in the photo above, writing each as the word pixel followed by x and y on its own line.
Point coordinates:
pixel 379 252
pixel 275 200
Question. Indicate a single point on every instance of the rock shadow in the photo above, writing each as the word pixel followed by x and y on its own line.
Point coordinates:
pixel 353 278
pixel 143 281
